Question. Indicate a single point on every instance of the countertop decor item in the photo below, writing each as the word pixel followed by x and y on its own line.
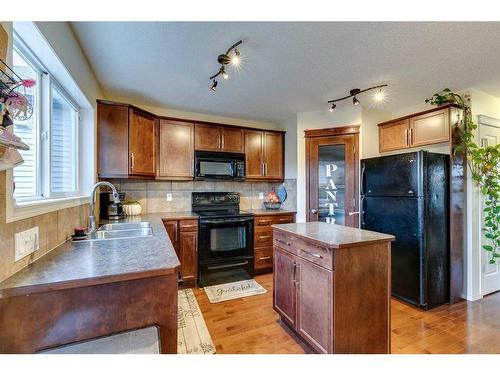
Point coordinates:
pixel 272 201
pixel 132 208
pixel 483 161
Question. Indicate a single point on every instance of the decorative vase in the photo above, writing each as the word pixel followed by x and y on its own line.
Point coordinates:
pixel 132 209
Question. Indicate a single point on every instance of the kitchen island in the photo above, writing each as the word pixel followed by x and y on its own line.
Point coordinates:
pixel 84 290
pixel 332 286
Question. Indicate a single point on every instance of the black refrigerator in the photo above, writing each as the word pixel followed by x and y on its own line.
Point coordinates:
pixel 407 196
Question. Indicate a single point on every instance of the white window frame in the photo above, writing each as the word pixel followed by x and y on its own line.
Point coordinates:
pixel 86 163
pixel 45 86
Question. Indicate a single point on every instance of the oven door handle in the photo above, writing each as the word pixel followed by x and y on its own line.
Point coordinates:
pixel 217 221
pixel 228 265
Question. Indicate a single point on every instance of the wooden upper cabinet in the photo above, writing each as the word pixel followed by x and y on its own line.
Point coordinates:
pixel 430 128
pixel 126 141
pixel 254 154
pixel 207 137
pixel 112 140
pixel 219 138
pixel 420 129
pixel 232 139
pixel 176 140
pixel 273 155
pixel 142 143
pixel 264 155
pixel 394 136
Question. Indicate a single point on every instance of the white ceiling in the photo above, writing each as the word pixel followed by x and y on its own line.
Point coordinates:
pixel 289 67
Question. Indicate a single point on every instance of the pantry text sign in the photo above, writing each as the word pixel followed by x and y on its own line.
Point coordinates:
pixel 331 193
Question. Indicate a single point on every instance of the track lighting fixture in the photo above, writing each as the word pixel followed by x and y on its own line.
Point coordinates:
pixel 227 58
pixel 214 85
pixel 378 97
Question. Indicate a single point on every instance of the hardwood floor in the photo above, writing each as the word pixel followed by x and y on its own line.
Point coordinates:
pixel 250 325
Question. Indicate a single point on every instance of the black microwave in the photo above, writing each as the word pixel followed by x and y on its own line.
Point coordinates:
pixel 219 166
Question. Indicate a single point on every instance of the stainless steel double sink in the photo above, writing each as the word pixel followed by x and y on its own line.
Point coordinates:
pixel 120 231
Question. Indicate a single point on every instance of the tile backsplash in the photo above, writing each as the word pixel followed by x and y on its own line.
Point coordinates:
pixel 153 194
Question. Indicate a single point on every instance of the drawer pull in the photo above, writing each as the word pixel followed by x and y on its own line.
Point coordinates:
pixel 312 254
pixel 264 222
pixel 285 219
pixel 264 237
pixel 188 226
pixel 280 241
pixel 265 258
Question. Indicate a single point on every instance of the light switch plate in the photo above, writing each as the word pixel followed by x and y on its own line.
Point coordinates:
pixel 26 243
pixel 169 197
pixel 261 195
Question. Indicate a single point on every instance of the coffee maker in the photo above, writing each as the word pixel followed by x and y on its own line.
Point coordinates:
pixel 108 209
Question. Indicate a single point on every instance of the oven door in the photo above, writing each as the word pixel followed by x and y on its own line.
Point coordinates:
pixel 214 168
pixel 225 238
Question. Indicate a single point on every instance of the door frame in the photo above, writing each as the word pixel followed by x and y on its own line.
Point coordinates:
pixel 343 131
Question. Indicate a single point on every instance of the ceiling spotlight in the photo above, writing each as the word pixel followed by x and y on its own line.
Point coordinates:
pixel 235 60
pixel 214 85
pixel 378 97
pixel 225 59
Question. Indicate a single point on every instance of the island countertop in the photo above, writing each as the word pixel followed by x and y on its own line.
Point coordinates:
pixel 78 264
pixel 333 235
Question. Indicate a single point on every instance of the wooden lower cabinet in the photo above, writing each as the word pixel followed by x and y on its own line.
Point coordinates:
pixel 263 238
pixel 336 300
pixel 184 237
pixel 284 298
pixel 314 315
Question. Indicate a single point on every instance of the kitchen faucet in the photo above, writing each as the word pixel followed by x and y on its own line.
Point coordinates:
pixel 116 199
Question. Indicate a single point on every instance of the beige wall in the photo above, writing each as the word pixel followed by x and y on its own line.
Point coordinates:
pixel 56 226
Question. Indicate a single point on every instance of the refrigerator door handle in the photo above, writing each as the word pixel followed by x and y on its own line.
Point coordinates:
pixel 362 209
pixel 363 178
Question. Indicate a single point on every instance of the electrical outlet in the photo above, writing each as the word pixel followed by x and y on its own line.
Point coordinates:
pixel 169 197
pixel 26 243
pixel 261 195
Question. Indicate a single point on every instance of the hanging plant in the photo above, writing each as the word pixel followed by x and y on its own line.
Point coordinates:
pixel 484 164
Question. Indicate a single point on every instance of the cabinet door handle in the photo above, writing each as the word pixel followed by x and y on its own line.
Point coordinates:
pixel 265 169
pixel 312 254
pixel 294 271
pixel 264 237
pixel 295 281
pixel 222 141
pixel 406 137
pixel 131 161
pixel 265 258
pixel 411 136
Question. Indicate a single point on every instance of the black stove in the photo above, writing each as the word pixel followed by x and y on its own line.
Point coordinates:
pixel 225 238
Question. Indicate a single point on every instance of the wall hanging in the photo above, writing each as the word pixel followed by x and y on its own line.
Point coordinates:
pixel 14 105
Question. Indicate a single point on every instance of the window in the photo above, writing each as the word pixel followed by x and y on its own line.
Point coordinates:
pixel 50 167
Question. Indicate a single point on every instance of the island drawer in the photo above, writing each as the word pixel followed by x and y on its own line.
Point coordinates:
pixel 316 254
pixel 263 258
pixel 284 241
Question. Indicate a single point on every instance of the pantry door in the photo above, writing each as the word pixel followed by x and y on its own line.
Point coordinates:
pixel 332 159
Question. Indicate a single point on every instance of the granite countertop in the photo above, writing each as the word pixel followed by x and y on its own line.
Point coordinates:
pixel 76 264
pixel 332 235
pixel 270 212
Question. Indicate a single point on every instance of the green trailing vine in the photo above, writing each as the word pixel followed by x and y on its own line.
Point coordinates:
pixel 484 164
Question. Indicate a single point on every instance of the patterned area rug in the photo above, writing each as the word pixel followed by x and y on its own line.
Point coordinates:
pixel 192 336
pixel 238 289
